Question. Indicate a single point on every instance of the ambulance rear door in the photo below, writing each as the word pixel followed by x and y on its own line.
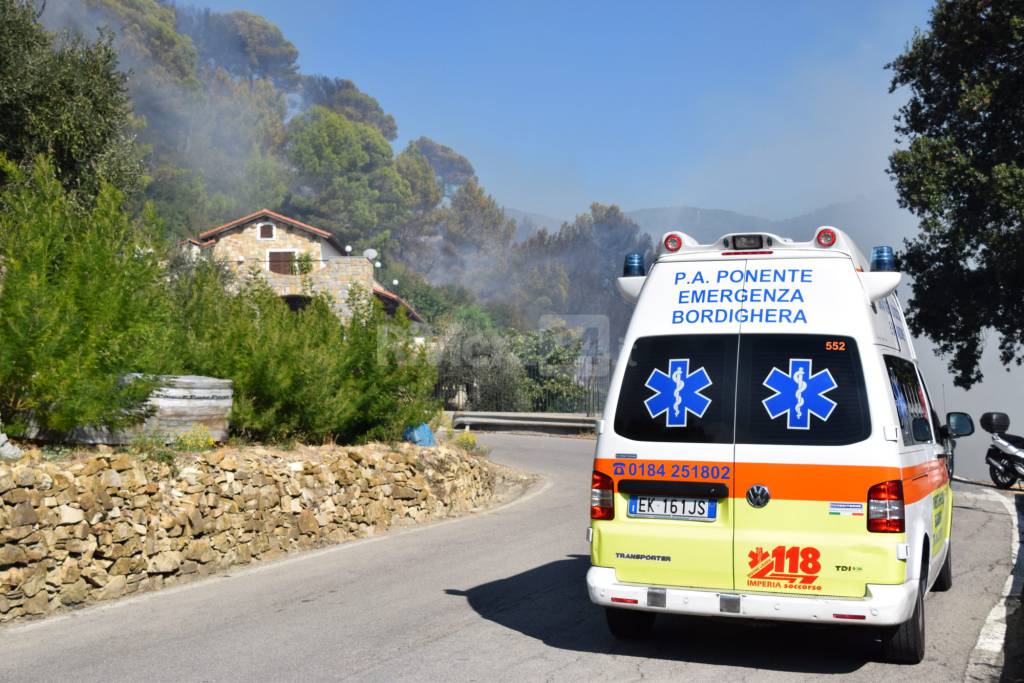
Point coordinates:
pixel 670 445
pixel 804 460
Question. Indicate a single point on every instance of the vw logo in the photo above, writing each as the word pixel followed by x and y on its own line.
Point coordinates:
pixel 758 496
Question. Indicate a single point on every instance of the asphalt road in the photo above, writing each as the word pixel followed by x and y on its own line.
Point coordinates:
pixel 496 596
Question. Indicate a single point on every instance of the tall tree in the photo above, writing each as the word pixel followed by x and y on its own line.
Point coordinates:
pixel 477 222
pixel 475 242
pixel 412 237
pixel 243 44
pixel 341 96
pixel 573 271
pixel 221 154
pixel 962 174
pixel 66 98
pixel 453 170
pixel 146 32
pixel 346 177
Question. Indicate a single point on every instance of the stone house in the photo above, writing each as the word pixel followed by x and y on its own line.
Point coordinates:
pixel 294 258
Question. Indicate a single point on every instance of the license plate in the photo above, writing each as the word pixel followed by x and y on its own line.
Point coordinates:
pixel 665 507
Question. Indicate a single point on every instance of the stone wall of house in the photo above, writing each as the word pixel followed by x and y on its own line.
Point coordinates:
pixel 242 250
pixel 244 253
pixel 333 279
pixel 111 524
pixel 338 275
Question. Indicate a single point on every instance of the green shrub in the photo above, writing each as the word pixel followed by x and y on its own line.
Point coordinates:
pixel 83 302
pixel 87 296
pixel 466 440
pixel 481 368
pixel 477 370
pixel 151 445
pixel 197 438
pixel 145 441
pixel 550 359
pixel 302 374
pixel 388 380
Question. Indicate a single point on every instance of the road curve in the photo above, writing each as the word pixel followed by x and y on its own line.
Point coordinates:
pixel 493 596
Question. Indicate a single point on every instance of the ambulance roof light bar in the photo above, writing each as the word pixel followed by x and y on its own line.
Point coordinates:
pixel 883 259
pixel 826 238
pixel 634 265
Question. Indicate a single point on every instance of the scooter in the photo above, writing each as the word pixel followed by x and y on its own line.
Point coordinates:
pixel 1005 456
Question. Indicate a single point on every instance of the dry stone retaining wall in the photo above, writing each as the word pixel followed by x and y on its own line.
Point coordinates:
pixel 112 524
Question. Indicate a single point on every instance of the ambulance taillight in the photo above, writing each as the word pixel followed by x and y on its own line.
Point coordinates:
pixel 602 496
pixel 885 508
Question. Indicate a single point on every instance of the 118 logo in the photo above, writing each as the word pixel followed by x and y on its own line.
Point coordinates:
pixel 788 564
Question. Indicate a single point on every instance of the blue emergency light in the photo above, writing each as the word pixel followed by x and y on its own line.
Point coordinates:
pixel 883 259
pixel 634 265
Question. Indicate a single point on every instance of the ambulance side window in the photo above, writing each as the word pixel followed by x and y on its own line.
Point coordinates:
pixel 801 389
pixel 679 388
pixel 908 394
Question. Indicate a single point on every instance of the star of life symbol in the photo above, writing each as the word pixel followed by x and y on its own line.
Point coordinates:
pixel 758 559
pixel 678 392
pixel 799 394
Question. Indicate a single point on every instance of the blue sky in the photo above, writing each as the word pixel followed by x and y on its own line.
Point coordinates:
pixel 773 108
pixel 769 108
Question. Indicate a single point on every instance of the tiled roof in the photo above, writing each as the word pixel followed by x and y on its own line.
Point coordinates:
pixel 385 293
pixel 211 233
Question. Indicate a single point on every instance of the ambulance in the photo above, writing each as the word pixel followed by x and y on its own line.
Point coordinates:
pixel 769 449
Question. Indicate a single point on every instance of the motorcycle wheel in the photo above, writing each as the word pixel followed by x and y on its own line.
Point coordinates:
pixel 1005 479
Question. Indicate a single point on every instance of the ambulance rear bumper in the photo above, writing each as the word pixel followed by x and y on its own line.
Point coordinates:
pixel 884 605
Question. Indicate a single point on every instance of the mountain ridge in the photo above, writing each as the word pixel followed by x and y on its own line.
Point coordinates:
pixel 870 220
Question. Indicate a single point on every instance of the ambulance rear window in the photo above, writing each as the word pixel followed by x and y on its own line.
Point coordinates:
pixel 679 388
pixel 800 389
pixel 797 389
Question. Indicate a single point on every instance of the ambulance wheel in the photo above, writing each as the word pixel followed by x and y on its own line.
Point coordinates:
pixel 944 581
pixel 629 624
pixel 904 644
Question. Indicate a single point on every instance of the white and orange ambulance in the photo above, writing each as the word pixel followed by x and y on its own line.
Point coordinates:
pixel 768 448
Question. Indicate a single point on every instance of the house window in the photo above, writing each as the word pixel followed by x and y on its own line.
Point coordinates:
pixel 282 262
pixel 266 231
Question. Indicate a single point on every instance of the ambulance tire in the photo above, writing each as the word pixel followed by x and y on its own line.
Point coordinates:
pixel 944 581
pixel 904 644
pixel 629 624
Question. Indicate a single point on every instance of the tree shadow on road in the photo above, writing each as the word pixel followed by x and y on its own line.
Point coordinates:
pixel 550 603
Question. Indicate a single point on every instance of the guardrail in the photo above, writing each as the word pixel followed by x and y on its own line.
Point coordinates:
pixel 560 422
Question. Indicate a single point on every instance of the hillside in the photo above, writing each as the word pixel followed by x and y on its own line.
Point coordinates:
pixel 528 223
